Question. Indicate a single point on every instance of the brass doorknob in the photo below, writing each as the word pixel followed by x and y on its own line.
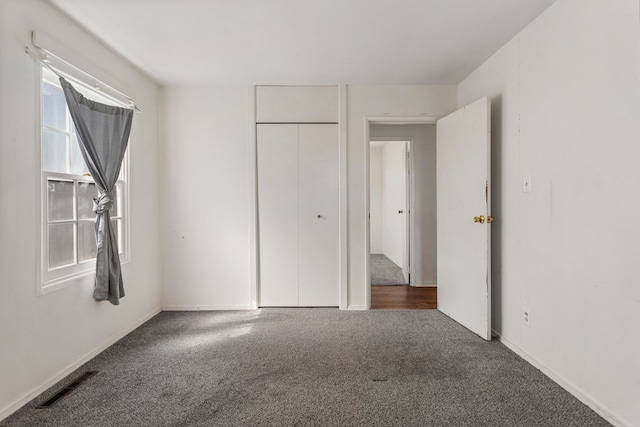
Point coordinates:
pixel 479 219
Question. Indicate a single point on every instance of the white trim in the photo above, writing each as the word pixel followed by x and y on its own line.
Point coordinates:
pixel 407 267
pixel 13 407
pixel 411 208
pixel 368 121
pixel 426 284
pixel 40 195
pixel 343 200
pixel 367 215
pixel 206 307
pixel 401 120
pixel 254 256
pixel 357 308
pixel 570 387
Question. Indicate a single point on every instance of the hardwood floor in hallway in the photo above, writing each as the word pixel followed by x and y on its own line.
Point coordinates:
pixel 403 297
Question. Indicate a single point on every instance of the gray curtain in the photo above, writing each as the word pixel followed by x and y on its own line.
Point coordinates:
pixel 103 134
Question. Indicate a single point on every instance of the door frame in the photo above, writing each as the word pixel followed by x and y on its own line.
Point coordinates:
pixel 408 141
pixel 382 120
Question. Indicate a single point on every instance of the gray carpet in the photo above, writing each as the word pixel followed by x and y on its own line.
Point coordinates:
pixel 385 272
pixel 308 367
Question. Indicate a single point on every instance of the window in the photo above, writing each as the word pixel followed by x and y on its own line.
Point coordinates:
pixel 68 237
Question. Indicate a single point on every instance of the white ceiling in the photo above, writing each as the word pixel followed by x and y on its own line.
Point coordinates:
pixel 191 42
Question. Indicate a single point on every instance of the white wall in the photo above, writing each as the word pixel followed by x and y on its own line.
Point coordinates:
pixel 423 234
pixel 375 189
pixel 205 210
pixel 363 101
pixel 43 337
pixel 204 204
pixel 566 108
pixel 394 199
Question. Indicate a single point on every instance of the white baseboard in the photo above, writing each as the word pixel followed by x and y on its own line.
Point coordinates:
pixel 425 284
pixel 565 384
pixel 5 412
pixel 206 307
pixel 356 307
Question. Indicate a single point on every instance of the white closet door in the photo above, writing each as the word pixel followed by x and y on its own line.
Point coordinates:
pixel 318 218
pixel 278 214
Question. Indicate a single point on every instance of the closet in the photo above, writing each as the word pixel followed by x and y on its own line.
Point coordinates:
pixel 298 225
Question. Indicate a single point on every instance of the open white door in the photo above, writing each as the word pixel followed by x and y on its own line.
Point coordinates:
pixel 406 260
pixel 464 216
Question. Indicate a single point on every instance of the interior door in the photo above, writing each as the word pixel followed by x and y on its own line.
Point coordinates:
pixel 318 214
pixel 278 214
pixel 394 204
pixel 406 260
pixel 464 216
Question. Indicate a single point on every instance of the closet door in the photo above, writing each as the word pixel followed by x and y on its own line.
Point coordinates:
pixel 277 147
pixel 318 215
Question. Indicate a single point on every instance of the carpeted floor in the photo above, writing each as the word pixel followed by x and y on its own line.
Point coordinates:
pixel 308 367
pixel 385 272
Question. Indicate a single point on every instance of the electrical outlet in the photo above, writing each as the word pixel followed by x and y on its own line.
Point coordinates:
pixel 526 316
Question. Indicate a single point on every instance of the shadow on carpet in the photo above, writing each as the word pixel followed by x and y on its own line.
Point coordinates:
pixel 308 367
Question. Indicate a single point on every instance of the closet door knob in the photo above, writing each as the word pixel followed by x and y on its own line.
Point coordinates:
pixel 400 212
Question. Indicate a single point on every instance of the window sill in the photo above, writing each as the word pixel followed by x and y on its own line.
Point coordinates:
pixel 85 277
pixel 80 278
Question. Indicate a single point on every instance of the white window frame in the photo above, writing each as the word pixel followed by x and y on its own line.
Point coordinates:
pixel 51 279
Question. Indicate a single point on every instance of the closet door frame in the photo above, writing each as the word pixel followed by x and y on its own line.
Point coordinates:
pixel 254 248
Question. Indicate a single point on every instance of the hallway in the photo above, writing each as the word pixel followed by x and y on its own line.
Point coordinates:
pixel 403 297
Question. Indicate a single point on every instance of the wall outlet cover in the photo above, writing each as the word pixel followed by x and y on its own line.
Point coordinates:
pixel 526 316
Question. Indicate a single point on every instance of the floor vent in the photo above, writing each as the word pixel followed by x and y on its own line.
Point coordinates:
pixel 67 390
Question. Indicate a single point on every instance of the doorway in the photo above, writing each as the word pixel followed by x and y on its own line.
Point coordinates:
pixel 402 209
pixel 463 212
pixel 389 212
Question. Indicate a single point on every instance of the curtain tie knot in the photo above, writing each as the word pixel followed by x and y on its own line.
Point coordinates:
pixel 103 203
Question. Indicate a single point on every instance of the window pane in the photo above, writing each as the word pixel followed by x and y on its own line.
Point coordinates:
pixel 60 245
pixel 122 167
pixel 117 200
pixel 116 224
pixel 60 200
pixel 54 151
pixel 78 167
pixel 86 192
pixel 86 240
pixel 54 107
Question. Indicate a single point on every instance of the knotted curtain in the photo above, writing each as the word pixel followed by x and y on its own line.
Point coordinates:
pixel 103 135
